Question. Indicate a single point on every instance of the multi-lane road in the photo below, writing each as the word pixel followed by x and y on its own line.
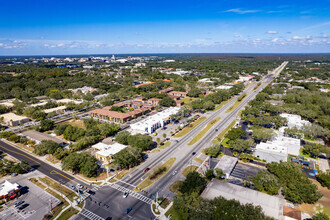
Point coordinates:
pixel 108 200
pixel 183 154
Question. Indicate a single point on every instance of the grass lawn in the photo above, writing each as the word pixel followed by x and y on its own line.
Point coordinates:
pixel 175 186
pixel 36 182
pixel 222 104
pixel 113 180
pixel 188 128
pixel 236 104
pixel 166 144
pixel 198 160
pixel 147 182
pixel 225 142
pixel 220 136
pixel 304 155
pixel 203 132
pixel 60 188
pixel 188 169
pixel 68 213
pixel 154 209
pixel 73 122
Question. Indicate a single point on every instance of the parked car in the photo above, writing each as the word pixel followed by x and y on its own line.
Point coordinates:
pixel 193 153
pixel 18 203
pixel 91 192
pixel 128 210
pixel 23 206
pixel 125 195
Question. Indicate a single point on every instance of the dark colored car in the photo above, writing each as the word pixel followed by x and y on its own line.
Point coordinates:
pixel 147 169
pixel 193 153
pixel 128 210
pixel 23 206
pixel 91 192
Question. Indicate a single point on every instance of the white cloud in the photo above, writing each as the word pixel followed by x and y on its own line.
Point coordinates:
pixel 239 11
pixel 271 32
pixel 275 40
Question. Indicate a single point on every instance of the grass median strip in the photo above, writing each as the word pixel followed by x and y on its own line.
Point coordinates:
pixel 64 190
pixel 188 128
pixel 222 104
pixel 220 136
pixel 155 174
pixel 166 144
pixel 237 103
pixel 203 132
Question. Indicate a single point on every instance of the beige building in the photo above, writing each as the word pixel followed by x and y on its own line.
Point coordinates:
pixel 106 152
pixel 11 119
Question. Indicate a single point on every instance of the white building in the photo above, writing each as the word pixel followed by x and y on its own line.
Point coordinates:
pixel 152 123
pixel 11 119
pixel 106 152
pixel 56 110
pixel 226 164
pixel 77 102
pixel 8 189
pixel 179 72
pixel 224 87
pixel 295 120
pixel 205 80
pixel 278 149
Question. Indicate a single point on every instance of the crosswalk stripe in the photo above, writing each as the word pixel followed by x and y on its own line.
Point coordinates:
pixel 132 193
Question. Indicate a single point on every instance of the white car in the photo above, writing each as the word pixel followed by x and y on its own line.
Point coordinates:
pixel 125 195
pixel 175 172
pixel 80 186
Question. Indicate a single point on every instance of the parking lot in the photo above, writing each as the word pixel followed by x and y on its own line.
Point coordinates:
pixel 38 201
pixel 244 171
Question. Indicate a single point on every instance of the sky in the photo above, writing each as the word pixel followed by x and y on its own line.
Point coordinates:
pixel 41 27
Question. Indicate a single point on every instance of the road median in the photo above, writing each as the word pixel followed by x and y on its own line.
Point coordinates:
pixel 203 132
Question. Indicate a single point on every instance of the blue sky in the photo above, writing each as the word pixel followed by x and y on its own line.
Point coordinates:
pixel 40 27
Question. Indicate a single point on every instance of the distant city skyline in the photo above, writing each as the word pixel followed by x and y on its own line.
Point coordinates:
pixel 196 26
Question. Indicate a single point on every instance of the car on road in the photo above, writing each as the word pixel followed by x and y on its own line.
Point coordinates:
pixel 90 192
pixel 72 187
pixel 175 172
pixel 147 169
pixel 18 203
pixel 128 210
pixel 176 141
pixel 193 153
pixel 125 195
pixel 216 129
pixel 80 186
pixel 23 206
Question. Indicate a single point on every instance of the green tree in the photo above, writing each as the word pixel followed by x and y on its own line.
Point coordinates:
pixel 208 105
pixel 235 133
pixel 240 145
pixel 127 157
pixel 46 147
pixel 209 174
pixel 122 137
pixel 194 92
pixel 263 133
pixel 313 150
pixel 266 182
pixel 193 183
pixel 212 151
pixel 167 102
pixel 140 141
pixel 108 129
pixel 324 179
pixel 46 125
pixel 219 173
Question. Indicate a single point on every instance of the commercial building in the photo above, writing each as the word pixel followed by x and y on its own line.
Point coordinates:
pixel 295 120
pixel 8 190
pixel 271 205
pixel 11 119
pixel 77 102
pixel 278 149
pixel 38 137
pixel 117 117
pixel 224 87
pixel 152 123
pixel 106 152
pixel 56 110
pixel 226 164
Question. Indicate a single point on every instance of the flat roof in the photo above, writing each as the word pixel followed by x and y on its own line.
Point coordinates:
pixel 12 117
pixel 36 135
pixel 111 150
pixel 55 109
pixel 226 164
pixel 271 205
pixel 6 187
